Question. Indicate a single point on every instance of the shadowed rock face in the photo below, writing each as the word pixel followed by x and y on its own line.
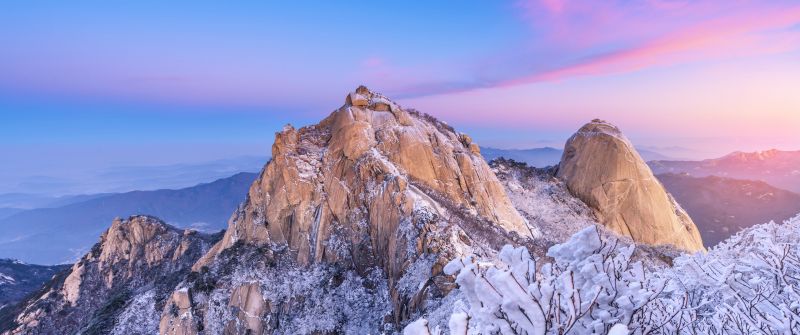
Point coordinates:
pixel 137 254
pixel 602 168
pixel 18 280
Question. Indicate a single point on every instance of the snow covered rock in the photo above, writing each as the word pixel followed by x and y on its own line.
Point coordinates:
pixel 602 168
pixel 371 189
pixel 136 260
pixel 363 165
pixel 543 200
pixel 357 165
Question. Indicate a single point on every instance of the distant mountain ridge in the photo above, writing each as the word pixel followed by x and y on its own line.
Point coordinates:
pixel 25 201
pixel 37 189
pixel 723 206
pixel 57 235
pixel 778 168
pixel 9 211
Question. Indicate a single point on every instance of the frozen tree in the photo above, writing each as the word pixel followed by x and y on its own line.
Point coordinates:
pixel 746 285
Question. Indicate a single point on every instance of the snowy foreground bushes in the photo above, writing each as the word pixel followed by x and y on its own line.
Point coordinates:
pixel 747 285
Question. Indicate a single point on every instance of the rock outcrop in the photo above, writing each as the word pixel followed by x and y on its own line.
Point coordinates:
pixel 381 195
pixel 602 168
pixel 137 256
pixel 363 169
pixel 366 162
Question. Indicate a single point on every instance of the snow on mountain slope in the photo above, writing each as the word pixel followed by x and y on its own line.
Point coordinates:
pixel 6 279
pixel 18 279
pixel 543 200
pixel 376 198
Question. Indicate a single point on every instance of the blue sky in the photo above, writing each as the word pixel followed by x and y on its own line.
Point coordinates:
pixel 100 84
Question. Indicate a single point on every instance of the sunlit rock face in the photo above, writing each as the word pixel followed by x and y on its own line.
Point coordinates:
pixel 361 165
pixel 373 188
pixel 602 168
pixel 138 256
pixel 362 170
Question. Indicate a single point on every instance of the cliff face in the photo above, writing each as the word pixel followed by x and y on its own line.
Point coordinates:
pixel 137 256
pixel 372 189
pixel 365 163
pixel 601 167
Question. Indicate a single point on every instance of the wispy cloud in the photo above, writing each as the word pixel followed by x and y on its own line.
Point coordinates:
pixel 753 33
pixel 580 38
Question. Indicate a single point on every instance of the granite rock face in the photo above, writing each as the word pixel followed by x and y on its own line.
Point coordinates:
pixel 360 169
pixel 135 256
pixel 602 168
pixel 373 188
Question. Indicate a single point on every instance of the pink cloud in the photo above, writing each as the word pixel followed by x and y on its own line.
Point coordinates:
pixel 554 6
pixel 579 38
pixel 373 62
pixel 752 33
pixel 576 25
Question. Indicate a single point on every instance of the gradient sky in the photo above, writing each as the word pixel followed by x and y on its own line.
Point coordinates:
pixel 90 84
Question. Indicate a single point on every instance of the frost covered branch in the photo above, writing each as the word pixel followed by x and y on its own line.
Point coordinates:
pixel 746 285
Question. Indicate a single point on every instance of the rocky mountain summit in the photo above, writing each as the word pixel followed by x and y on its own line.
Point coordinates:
pixel 369 161
pixel 103 292
pixel 382 195
pixel 348 229
pixel 601 167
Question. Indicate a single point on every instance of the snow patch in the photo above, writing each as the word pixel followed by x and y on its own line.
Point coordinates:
pixel 139 317
pixel 6 279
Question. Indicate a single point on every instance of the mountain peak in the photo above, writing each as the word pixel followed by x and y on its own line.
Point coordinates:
pixel 372 187
pixel 137 254
pixel 753 156
pixel 322 172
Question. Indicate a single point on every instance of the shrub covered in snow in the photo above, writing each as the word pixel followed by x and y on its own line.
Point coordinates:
pixel 748 284
pixel 316 299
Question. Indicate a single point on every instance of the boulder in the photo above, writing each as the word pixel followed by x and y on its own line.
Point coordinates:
pixel 602 168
